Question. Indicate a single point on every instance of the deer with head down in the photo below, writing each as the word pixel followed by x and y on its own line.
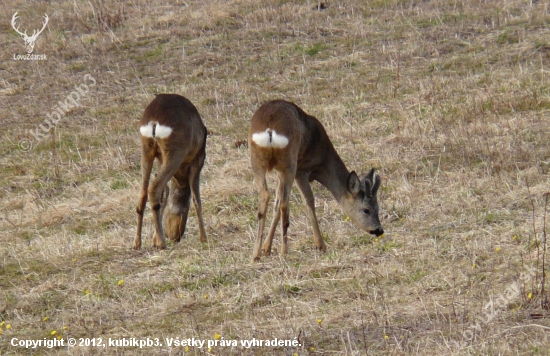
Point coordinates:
pixel 282 137
pixel 171 131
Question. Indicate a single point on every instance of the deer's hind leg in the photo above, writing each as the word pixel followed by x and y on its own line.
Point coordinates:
pixel 147 159
pixel 261 183
pixel 276 217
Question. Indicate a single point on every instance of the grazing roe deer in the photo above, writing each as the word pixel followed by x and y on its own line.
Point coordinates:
pixel 284 138
pixel 171 131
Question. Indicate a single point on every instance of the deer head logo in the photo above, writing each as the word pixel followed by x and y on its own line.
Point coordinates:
pixel 29 40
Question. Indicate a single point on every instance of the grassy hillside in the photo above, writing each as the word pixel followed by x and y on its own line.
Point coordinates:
pixel 449 100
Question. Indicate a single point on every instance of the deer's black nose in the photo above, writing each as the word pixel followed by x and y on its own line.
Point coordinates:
pixel 377 232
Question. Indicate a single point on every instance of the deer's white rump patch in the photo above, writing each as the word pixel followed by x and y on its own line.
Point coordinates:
pixel 160 131
pixel 270 138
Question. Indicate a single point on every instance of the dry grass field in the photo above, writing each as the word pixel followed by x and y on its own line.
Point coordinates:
pixel 449 100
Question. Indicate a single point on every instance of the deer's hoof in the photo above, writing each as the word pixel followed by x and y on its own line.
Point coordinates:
pixel 158 243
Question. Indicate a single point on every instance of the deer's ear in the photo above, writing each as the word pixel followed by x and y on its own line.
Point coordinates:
pixel 354 184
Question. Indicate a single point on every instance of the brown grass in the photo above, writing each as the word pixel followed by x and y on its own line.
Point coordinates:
pixel 449 100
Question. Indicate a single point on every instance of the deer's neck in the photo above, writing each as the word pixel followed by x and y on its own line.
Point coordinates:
pixel 334 175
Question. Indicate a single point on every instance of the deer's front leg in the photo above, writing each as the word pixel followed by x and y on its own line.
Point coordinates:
pixel 302 181
pixel 194 182
pixel 285 209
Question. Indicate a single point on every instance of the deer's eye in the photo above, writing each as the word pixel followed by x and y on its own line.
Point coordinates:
pixel 366 211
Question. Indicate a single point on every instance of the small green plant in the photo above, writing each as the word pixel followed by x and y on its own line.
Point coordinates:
pixel 119 184
pixel 316 48
pixel 149 56
pixel 290 289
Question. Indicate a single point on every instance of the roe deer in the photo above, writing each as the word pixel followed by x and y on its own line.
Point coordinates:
pixel 284 138
pixel 171 131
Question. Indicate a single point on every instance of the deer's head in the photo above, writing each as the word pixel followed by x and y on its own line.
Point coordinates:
pixel 361 203
pixel 29 40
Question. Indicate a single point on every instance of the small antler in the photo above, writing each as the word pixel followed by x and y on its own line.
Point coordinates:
pixel 377 181
pixel 368 182
pixel 13 20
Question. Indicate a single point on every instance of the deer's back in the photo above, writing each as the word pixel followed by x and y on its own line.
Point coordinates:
pixel 172 110
pixel 170 122
pixel 308 142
